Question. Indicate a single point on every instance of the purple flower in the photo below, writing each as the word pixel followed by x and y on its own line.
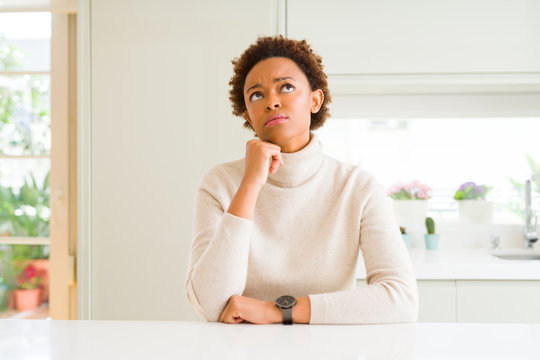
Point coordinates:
pixel 466 185
pixel 471 191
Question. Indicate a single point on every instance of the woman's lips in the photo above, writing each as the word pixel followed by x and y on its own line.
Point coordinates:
pixel 275 119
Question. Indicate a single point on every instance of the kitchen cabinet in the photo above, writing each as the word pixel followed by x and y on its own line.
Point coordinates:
pixel 478 300
pixel 420 37
pixel 436 298
pixel 437 301
pixel 498 301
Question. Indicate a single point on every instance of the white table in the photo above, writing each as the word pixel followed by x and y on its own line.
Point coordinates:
pixel 103 340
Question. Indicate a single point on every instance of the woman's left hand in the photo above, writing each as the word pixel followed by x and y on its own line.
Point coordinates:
pixel 244 309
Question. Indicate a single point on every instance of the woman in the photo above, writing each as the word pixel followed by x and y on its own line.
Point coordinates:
pixel 288 219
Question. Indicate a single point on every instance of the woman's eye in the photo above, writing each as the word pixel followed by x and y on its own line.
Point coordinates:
pixel 287 88
pixel 255 96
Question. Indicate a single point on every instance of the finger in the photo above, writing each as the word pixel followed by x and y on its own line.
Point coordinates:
pixel 277 160
pixel 281 159
pixel 221 317
pixel 275 165
pixel 224 313
pixel 234 319
pixel 272 146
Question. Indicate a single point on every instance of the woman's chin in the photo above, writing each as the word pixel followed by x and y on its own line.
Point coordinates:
pixel 285 138
pixel 276 134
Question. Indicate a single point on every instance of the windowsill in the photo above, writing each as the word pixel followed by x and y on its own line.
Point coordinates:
pixel 464 264
pixel 41 312
pixel 453 218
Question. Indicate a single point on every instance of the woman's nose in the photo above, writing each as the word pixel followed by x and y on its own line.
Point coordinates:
pixel 273 103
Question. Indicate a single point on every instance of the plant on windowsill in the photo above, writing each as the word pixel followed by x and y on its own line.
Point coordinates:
pixel 431 238
pixel 472 203
pixel 410 201
pixel 13 260
pixel 24 212
pixel 28 292
pixel 406 237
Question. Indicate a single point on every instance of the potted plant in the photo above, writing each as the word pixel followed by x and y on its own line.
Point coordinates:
pixel 13 260
pixel 472 203
pixel 410 201
pixel 406 237
pixel 431 238
pixel 28 292
pixel 24 212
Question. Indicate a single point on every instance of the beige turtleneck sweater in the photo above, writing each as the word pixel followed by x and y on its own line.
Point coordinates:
pixel 311 219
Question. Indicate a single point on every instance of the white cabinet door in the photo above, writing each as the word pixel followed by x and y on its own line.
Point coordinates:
pixel 437 301
pixel 420 37
pixel 498 301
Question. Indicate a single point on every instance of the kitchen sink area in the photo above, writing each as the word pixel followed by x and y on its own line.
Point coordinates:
pixel 517 254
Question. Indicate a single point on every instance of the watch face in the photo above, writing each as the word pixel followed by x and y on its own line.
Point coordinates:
pixel 285 301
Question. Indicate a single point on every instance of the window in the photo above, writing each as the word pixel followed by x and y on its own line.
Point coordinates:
pixel 25 143
pixel 442 153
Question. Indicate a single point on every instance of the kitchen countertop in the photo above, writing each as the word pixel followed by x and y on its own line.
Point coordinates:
pixel 465 264
pixel 103 340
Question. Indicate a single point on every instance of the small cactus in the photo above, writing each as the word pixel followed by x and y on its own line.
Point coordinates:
pixel 430 225
pixel 402 229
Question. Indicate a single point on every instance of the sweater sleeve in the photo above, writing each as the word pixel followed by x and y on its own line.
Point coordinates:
pixel 219 255
pixel 391 294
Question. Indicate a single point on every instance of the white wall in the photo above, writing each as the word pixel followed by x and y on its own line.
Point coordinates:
pixel 160 117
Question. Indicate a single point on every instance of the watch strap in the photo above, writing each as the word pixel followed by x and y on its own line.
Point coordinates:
pixel 287 316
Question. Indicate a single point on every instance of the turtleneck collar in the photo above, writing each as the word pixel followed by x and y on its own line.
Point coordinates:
pixel 299 166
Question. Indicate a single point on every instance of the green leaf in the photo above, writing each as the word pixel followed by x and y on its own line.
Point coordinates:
pixel 535 168
pixel 46 181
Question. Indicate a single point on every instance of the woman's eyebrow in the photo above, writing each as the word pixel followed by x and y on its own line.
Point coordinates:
pixel 283 78
pixel 275 80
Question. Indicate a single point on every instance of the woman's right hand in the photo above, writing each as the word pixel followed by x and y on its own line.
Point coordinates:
pixel 258 152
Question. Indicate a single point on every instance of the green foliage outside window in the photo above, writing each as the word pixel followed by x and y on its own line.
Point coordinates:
pixel 519 207
pixel 22 129
pixel 11 56
pixel 25 212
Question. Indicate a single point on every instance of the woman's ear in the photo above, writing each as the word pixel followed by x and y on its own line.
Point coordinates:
pixel 317 98
pixel 246 116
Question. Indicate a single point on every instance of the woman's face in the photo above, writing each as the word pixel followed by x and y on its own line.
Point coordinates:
pixel 279 103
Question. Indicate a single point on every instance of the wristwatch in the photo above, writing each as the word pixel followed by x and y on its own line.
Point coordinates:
pixel 286 303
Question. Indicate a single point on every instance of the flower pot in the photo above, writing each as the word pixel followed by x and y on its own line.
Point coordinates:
pixel 406 240
pixel 475 210
pixel 410 211
pixel 11 299
pixel 27 299
pixel 432 241
pixel 42 266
